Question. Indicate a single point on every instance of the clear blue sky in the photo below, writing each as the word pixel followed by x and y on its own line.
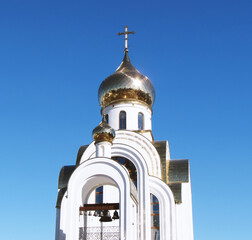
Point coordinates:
pixel 55 54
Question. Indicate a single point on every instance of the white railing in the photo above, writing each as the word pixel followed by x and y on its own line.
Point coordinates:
pixel 99 233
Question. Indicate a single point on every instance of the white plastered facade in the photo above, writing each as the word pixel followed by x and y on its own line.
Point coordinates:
pixel 95 171
pixel 97 167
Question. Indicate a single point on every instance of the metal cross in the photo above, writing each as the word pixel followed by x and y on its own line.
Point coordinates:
pixel 126 37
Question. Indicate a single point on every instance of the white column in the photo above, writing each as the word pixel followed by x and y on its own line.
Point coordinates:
pixel 103 149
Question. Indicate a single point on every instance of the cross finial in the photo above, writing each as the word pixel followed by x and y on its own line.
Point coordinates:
pixel 126 37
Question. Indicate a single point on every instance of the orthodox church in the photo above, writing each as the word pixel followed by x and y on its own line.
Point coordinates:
pixel 124 185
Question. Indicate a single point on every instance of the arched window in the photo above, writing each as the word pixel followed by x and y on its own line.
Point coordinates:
pixel 122 120
pixel 155 235
pixel 140 121
pixel 130 167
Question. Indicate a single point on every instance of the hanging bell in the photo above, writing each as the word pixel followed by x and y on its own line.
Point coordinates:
pixel 89 214
pixel 115 215
pixel 106 217
pixel 100 213
pixel 95 214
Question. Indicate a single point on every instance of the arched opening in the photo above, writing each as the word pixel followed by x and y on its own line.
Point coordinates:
pixel 93 225
pixel 166 226
pixel 129 166
pixel 86 178
pixel 122 120
pixel 155 234
pixel 140 121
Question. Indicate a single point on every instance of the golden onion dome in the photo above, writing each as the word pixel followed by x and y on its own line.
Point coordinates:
pixel 126 84
pixel 103 132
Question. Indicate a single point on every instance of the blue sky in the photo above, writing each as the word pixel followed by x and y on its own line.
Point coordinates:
pixel 55 54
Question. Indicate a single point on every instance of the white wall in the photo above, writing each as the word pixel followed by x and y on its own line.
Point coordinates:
pixel 184 214
pixel 177 221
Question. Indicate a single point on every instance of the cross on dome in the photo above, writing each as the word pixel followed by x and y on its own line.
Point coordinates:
pixel 125 33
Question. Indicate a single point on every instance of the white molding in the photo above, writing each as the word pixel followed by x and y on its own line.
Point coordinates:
pixel 89 174
pixel 166 208
pixel 131 140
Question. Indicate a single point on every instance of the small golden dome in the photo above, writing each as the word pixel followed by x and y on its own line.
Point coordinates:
pixel 126 84
pixel 103 132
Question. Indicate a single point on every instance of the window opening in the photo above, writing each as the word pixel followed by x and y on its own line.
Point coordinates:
pixel 155 235
pixel 122 120
pixel 107 118
pixel 140 121
pixel 99 195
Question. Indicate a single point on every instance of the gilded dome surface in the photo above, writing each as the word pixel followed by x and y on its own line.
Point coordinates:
pixel 125 84
pixel 103 132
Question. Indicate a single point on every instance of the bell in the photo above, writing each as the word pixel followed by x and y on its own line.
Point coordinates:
pixel 95 214
pixel 85 213
pixel 106 217
pixel 89 214
pixel 116 215
pixel 100 213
